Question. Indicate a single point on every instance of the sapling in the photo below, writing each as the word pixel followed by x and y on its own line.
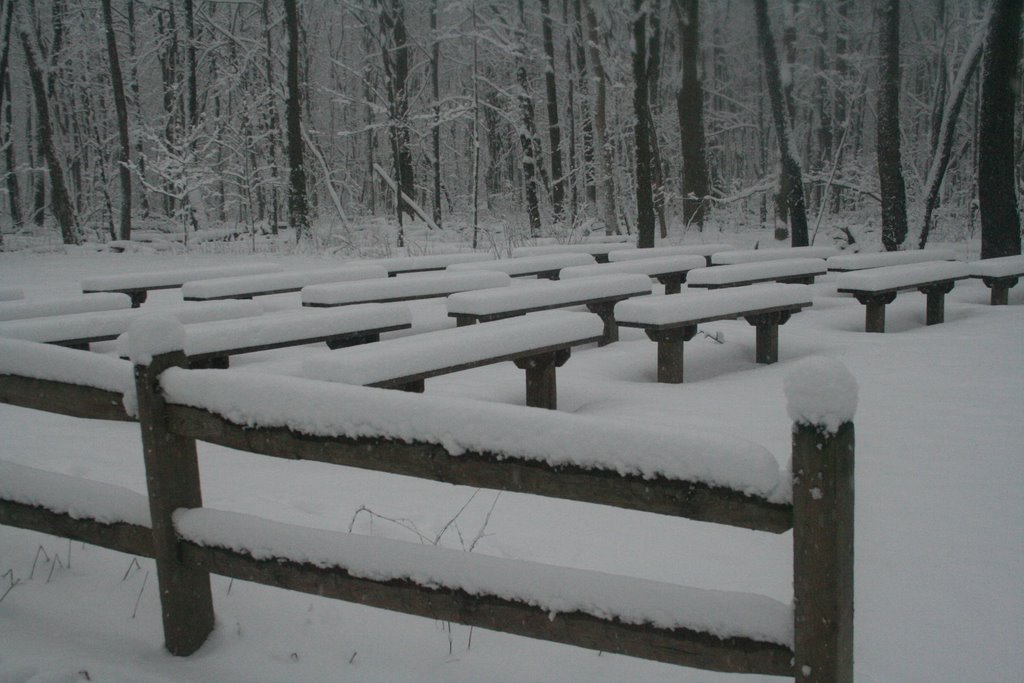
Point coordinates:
pixel 139 597
pixel 32 571
pixel 9 575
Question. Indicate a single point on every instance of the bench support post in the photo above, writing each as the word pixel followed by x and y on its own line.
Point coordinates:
pixel 767 325
pixel 936 311
pixel 1000 287
pixel 670 351
pixel 172 480
pixel 605 310
pixel 874 317
pixel 673 283
pixel 823 553
pixel 541 389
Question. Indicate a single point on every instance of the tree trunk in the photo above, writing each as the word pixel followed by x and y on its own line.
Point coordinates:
pixel 298 209
pixel 641 130
pixel 435 60
pixel 528 134
pixel 395 58
pixel 890 169
pixel 578 33
pixel 121 107
pixel 787 152
pixel 140 157
pixel 690 108
pixel 602 143
pixel 554 130
pixel 997 199
pixel 11 177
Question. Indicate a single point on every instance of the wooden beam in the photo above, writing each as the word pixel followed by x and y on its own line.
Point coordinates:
pixel 120 536
pixel 62 398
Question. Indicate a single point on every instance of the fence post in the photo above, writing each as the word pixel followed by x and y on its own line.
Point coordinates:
pixel 822 398
pixel 172 480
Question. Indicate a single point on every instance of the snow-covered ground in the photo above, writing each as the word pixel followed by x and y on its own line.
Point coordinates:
pixel 939 518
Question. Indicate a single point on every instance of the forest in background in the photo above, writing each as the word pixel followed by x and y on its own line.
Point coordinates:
pixel 556 117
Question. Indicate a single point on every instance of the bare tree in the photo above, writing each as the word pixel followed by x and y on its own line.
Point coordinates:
pixel 890 168
pixel 690 108
pixel 602 141
pixel 642 129
pixel 121 107
pixel 554 129
pixel 298 208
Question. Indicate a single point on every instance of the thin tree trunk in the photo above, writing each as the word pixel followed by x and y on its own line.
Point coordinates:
pixel 690 109
pixel 641 130
pixel 554 129
pixel 298 208
pixel 133 86
pixel 528 133
pixel 11 177
pixel 578 34
pixel 602 143
pixel 435 60
pixel 890 168
pixel 121 107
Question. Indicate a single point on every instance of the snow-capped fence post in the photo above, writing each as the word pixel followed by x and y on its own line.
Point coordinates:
pixel 822 397
pixel 172 481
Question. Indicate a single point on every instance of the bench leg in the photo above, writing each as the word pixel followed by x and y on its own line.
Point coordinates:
pixel 541 390
pixel 936 310
pixel 1000 287
pixel 767 326
pixel 138 298
pixel 606 311
pixel 673 283
pixel 874 317
pixel 670 352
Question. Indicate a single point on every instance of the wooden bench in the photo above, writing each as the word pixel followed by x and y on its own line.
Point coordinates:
pixel 404 288
pixel 877 287
pixel 82 303
pixel 728 258
pixel 138 285
pixel 843 263
pixel 998 274
pixel 210 344
pixel 78 330
pixel 672 320
pixel 401 265
pixel 598 294
pixel 249 286
pixel 801 271
pixel 537 343
pixel 543 267
pixel 705 250
pixel 11 293
pixel 601 251
pixel 670 270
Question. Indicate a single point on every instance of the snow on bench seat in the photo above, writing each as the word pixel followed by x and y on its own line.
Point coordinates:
pixel 670 270
pixel 545 266
pixel 877 287
pixel 598 294
pixel 848 262
pixel 136 285
pixel 601 251
pixel 705 250
pixel 248 286
pixel 725 258
pixel 80 329
pixel 417 264
pixel 552 590
pixel 11 293
pixel 404 288
pixel 999 275
pixel 672 320
pixel 794 270
pixel 538 343
pixel 83 303
pixel 209 344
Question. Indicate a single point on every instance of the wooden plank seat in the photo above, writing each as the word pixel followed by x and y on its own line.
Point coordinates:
pixel 877 287
pixel 400 265
pixel 11 293
pixel 842 263
pixel 537 343
pixel 210 344
pixel 404 288
pixel 138 285
pixel 546 266
pixel 249 286
pixel 999 275
pixel 669 270
pixel 80 303
pixel 705 250
pixel 78 330
pixel 601 251
pixel 598 294
pixel 801 271
pixel 728 258
pixel 672 320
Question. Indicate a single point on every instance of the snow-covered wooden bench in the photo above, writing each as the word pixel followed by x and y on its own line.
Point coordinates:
pixel 138 285
pixel 705 250
pixel 545 266
pixel 599 250
pixel 400 265
pixel 211 344
pixel 11 293
pixel 403 288
pixel 249 286
pixel 877 287
pixel 82 303
pixel 599 294
pixel 726 258
pixel 999 275
pixel 669 270
pixel 801 271
pixel 537 343
pixel 672 320
pixel 78 330
pixel 842 263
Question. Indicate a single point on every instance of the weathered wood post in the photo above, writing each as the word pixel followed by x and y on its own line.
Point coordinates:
pixel 172 481
pixel 670 351
pixel 821 395
pixel 935 311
